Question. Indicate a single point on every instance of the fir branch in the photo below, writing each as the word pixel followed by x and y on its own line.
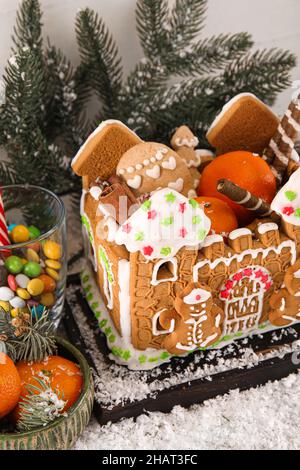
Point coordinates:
pixel 209 55
pixel 28 29
pixel 186 22
pixel 151 22
pixel 99 55
pixel 40 406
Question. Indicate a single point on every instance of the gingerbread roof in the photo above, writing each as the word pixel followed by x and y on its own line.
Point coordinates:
pixel 287 201
pixel 163 224
pixel 100 154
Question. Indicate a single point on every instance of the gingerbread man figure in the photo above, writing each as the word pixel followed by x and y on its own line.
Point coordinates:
pixel 196 320
pixel 285 304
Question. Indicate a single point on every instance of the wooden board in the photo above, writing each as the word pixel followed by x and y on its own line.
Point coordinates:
pixel 193 391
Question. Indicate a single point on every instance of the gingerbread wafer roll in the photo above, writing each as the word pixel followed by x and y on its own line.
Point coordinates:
pixel 281 146
pixel 246 199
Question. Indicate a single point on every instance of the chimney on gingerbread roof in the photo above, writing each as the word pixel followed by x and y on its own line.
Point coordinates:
pixel 100 154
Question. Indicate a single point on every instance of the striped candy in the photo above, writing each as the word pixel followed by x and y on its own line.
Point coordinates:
pixel 4 239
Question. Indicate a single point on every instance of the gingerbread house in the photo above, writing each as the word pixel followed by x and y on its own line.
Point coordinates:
pixel 158 281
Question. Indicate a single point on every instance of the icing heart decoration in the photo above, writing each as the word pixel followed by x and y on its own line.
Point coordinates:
pixel 169 164
pixel 135 182
pixel 153 172
pixel 177 185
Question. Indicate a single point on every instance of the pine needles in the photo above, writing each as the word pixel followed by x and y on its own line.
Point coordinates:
pixel 182 79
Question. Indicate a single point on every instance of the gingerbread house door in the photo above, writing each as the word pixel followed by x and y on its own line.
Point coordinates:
pixel 243 297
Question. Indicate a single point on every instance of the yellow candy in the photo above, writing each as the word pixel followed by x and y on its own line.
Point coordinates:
pixel 20 234
pixel 52 273
pixel 51 263
pixel 23 293
pixel 32 255
pixel 52 250
pixel 4 305
pixel 14 312
pixel 47 299
pixel 35 287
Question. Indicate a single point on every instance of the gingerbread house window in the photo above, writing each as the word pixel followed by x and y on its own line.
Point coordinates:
pixel 165 271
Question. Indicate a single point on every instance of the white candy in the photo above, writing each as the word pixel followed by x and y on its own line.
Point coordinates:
pixel 22 280
pixel 17 302
pixel 6 294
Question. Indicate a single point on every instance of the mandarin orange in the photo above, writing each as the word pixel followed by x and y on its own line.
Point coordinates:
pixel 247 170
pixel 10 385
pixel 222 217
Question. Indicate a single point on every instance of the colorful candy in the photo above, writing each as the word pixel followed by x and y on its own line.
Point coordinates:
pixel 23 293
pixel 20 234
pixel 34 232
pixel 4 305
pixel 22 280
pixel 35 287
pixel 13 264
pixel 49 283
pixel 51 263
pixel 11 280
pixel 52 273
pixel 32 269
pixel 32 255
pixel 52 250
pixel 17 302
pixel 47 299
pixel 6 294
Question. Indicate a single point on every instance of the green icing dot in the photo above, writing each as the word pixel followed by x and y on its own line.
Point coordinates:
pixel 165 251
pixel 297 213
pixel 165 355
pixel 102 323
pixel 126 355
pixel 153 359
pixel 112 338
pixel 97 315
pixel 193 203
pixel 201 234
pixel 170 197
pixel 85 279
pixel 89 296
pixel 290 195
pixel 116 351
pixel 87 288
pixel 196 219
pixel 95 305
pixel 142 359
pixel 139 236
pixel 107 331
pixel 146 205
pixel 167 221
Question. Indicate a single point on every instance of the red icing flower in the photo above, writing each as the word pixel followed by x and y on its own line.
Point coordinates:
pixel 183 232
pixel 225 294
pixel 182 207
pixel 238 276
pixel 198 297
pixel 247 272
pixel 288 210
pixel 152 214
pixel 229 284
pixel 259 273
pixel 126 228
pixel 268 285
pixel 264 278
pixel 148 250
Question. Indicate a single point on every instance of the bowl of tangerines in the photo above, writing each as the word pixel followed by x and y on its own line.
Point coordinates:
pixel 46 387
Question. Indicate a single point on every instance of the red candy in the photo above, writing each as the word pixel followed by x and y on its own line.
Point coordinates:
pixel 12 282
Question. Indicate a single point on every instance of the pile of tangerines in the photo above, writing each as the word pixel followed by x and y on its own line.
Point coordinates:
pixel 63 376
pixel 247 170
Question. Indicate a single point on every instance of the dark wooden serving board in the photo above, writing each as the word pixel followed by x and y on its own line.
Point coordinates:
pixel 195 391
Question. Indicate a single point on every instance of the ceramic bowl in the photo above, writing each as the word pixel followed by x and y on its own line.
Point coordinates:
pixel 63 432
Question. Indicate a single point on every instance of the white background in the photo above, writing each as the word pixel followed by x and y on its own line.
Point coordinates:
pixel 272 23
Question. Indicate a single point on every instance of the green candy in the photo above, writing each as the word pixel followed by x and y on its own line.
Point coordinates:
pixel 14 264
pixel 32 269
pixel 34 232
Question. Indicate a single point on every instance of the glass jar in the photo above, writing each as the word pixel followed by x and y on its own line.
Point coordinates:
pixel 33 267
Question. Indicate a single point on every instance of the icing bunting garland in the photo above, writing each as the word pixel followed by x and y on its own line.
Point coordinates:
pixel 287 201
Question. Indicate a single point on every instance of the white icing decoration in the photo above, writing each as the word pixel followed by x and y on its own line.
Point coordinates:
pixel 158 265
pixel 95 192
pixel 130 169
pixel 267 227
pixel 107 277
pixel 192 193
pixel 135 182
pixel 240 256
pixel 281 156
pixel 152 159
pixel 281 201
pixel 121 171
pixel 295 156
pixel 111 225
pixel 196 183
pixel 153 172
pixel 168 229
pixel 169 164
pixel 177 185
pixel 146 162
pixel 87 234
pixel 211 239
pixel 197 296
pixel 194 163
pixel 155 322
pixel 193 142
pixel 292 121
pixel 124 298
pixel 139 167
pixel 296 274
pixel 96 131
pixel 239 232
